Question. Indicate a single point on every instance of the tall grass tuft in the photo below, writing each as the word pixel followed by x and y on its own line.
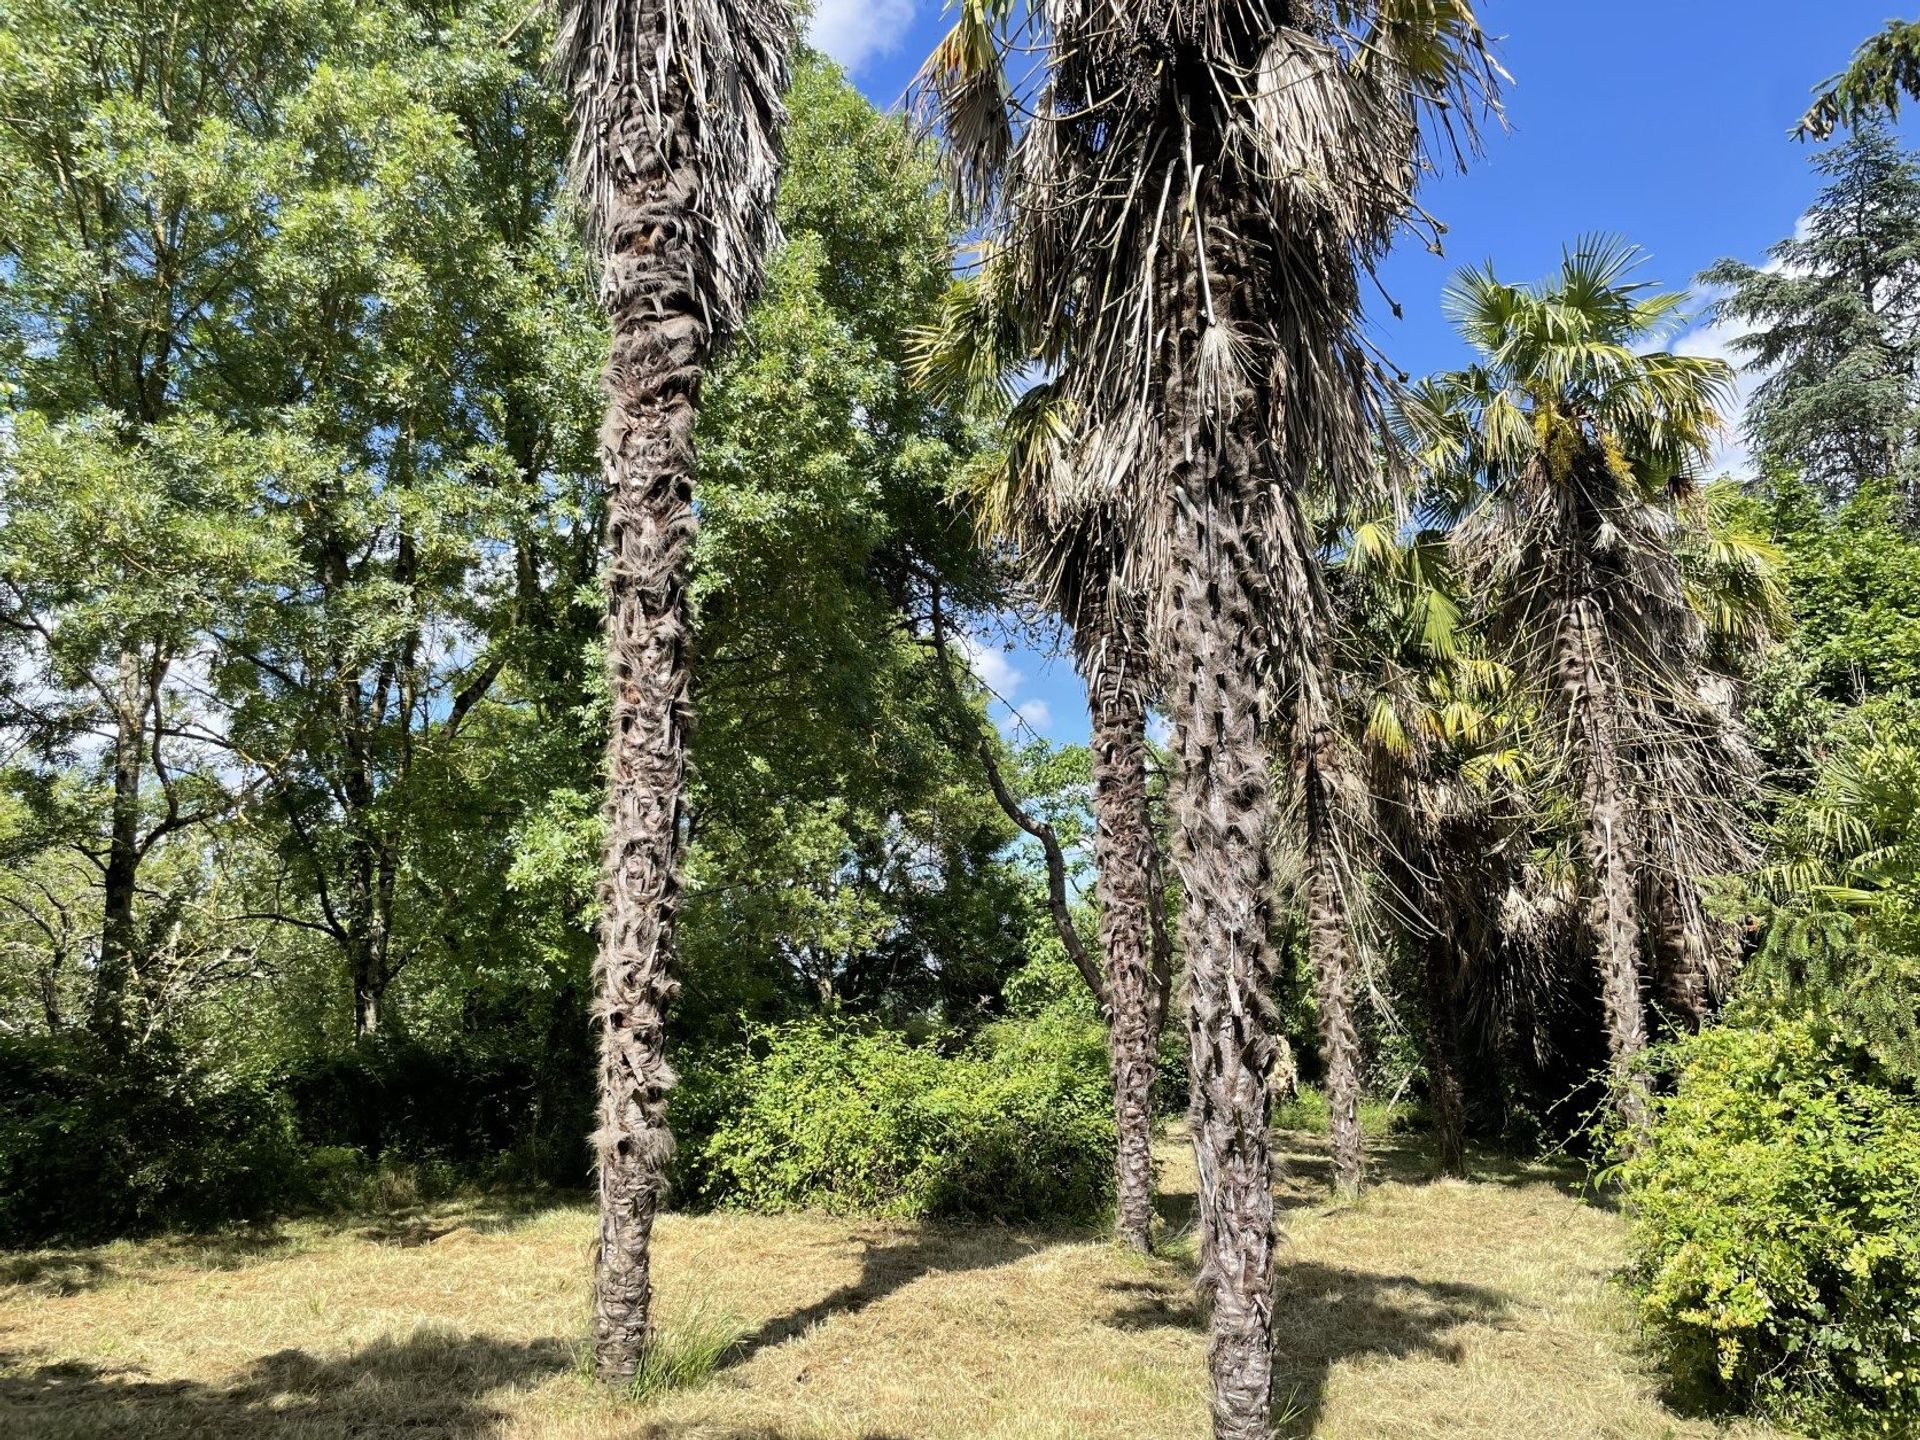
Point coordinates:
pixel 683 1356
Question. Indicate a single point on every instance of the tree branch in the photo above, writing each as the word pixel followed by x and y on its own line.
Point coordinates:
pixel 1037 828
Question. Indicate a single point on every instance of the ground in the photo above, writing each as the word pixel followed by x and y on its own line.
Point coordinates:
pixel 1428 1309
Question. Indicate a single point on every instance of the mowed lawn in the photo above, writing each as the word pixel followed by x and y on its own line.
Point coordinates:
pixel 1428 1309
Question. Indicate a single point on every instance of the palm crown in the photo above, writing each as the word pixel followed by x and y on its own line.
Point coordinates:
pixel 1572 448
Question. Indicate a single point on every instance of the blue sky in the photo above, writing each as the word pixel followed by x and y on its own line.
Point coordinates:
pixel 1663 122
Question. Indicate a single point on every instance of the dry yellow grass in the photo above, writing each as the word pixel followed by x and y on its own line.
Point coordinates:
pixel 1427 1310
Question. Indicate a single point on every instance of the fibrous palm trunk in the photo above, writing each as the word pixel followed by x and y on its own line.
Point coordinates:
pixel 677 113
pixel 1224 815
pixel 1330 948
pixel 648 452
pixel 1318 763
pixel 660 351
pixel 1606 837
pixel 1124 860
pixel 1680 936
pixel 1443 1055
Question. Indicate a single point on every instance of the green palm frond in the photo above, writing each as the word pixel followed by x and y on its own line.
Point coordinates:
pixel 973 351
pixel 1732 571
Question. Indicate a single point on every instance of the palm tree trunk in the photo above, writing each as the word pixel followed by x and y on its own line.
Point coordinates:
pixel 1615 922
pixel 677 113
pixel 660 351
pixel 1681 935
pixel 1224 818
pixel 1124 860
pixel 1330 947
pixel 649 460
pixel 1330 944
pixel 1443 1056
pixel 1606 836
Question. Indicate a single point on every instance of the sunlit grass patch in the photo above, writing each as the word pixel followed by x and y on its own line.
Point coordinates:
pixel 1458 1309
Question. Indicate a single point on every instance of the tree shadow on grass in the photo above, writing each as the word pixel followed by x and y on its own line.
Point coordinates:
pixel 1324 1314
pixel 432 1386
pixel 71 1270
pixel 54 1272
pixel 1306 1169
pixel 890 1265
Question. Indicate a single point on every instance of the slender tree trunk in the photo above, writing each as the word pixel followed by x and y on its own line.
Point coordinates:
pixel 369 899
pixel 370 919
pixel 1613 917
pixel 1607 837
pixel 118 935
pixel 1059 906
pixel 650 462
pixel 1682 934
pixel 1224 816
pixel 1333 971
pixel 661 347
pixel 1330 947
pixel 1124 860
pixel 1318 763
pixel 1443 1056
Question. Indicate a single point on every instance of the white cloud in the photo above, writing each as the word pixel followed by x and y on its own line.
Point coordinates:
pixel 856 31
pixel 1719 342
pixel 1020 717
pixel 1034 714
pixel 990 663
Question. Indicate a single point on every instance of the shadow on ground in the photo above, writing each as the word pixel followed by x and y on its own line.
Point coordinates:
pixel 70 1270
pixel 1326 1314
pixel 891 1265
pixel 431 1387
pixel 1323 1315
pixel 434 1386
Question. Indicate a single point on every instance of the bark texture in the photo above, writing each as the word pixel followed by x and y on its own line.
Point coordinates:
pixel 1330 945
pixel 118 935
pixel 1224 814
pixel 648 453
pixel 1322 789
pixel 1607 840
pixel 1124 859
pixel 1443 1055
pixel 677 114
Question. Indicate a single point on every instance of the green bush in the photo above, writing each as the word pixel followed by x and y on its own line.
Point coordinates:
pixel 1015 1125
pixel 1776 1229
pixel 97 1142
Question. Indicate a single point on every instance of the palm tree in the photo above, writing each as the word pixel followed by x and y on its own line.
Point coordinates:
pixel 1071 556
pixel 1326 800
pixel 1578 446
pixel 677 110
pixel 1440 750
pixel 1186 196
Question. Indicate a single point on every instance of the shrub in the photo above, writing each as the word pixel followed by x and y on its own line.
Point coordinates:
pixel 1776 1230
pixel 1016 1125
pixel 96 1143
pixel 482 1106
